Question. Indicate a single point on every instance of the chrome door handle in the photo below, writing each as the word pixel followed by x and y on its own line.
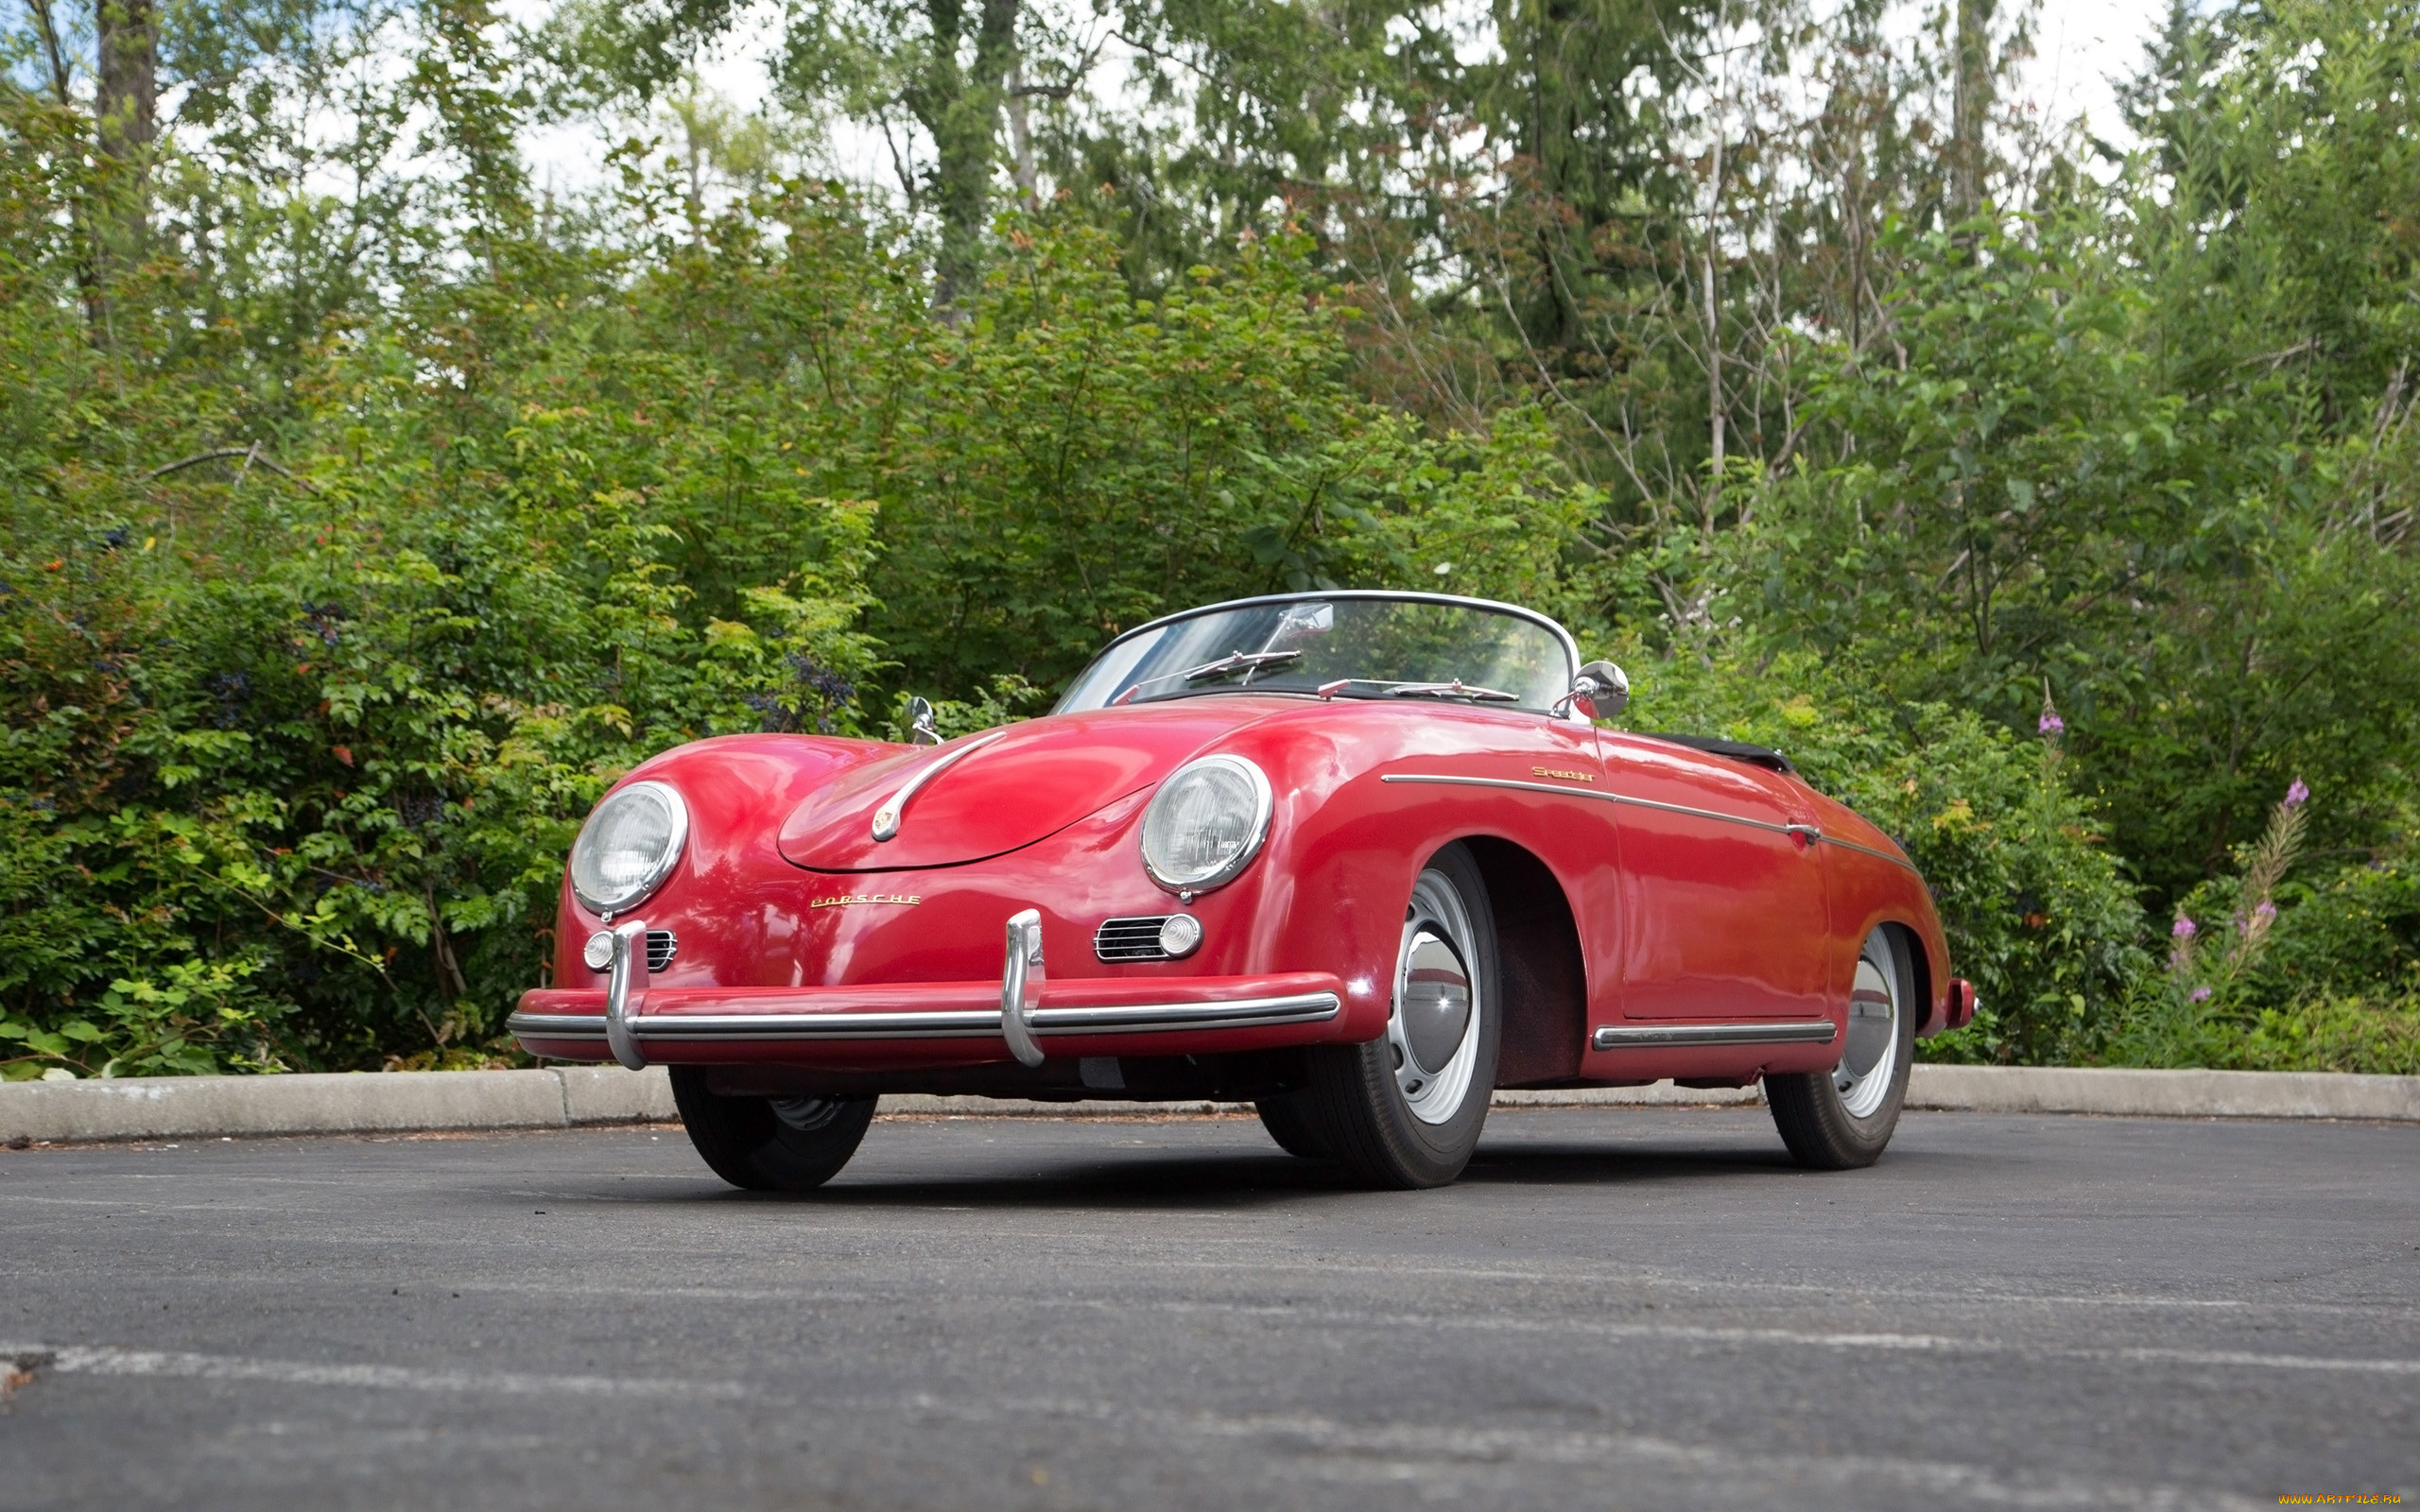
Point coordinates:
pixel 1802 832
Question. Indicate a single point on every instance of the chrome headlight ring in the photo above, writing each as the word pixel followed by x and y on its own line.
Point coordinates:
pixel 1206 824
pixel 630 843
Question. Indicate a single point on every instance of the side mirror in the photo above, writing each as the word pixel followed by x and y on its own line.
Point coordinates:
pixel 920 723
pixel 1600 691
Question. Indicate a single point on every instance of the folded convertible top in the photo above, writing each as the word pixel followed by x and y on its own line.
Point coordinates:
pixel 1739 751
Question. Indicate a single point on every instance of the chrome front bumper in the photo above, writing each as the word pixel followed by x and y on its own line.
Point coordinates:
pixel 1020 1010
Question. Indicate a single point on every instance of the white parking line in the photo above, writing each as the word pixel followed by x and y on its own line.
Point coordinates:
pixel 1348 1448
pixel 1404 1451
pixel 102 1360
pixel 1694 1333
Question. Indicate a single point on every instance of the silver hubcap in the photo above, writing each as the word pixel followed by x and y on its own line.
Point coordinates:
pixel 1871 1057
pixel 1433 1033
pixel 805 1114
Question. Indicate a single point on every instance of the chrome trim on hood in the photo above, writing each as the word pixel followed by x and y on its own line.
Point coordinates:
pixel 887 819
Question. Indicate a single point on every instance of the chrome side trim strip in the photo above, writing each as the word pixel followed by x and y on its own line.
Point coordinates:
pixel 1665 1036
pixel 1813 835
pixel 887 819
pixel 1867 849
pixel 976 1024
pixel 1577 792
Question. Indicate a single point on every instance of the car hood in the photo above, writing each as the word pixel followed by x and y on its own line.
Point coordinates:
pixel 1030 781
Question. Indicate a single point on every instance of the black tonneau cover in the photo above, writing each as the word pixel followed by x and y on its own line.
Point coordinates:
pixel 1739 751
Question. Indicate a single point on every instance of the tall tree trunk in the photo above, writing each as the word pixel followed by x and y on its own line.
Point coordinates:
pixel 1021 142
pixel 961 106
pixel 1716 411
pixel 127 100
pixel 1970 107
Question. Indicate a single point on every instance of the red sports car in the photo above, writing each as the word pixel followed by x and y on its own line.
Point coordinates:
pixel 1357 858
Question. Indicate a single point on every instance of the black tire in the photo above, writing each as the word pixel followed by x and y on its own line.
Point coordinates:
pixel 770 1144
pixel 1292 1126
pixel 1808 1106
pixel 1356 1105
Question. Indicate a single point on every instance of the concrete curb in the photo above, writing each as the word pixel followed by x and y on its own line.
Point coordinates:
pixel 579 1097
pixel 151 1108
pixel 2164 1093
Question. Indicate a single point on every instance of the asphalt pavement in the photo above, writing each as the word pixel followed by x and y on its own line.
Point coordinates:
pixel 1616 1308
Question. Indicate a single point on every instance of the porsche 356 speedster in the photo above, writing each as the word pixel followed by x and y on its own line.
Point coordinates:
pixel 1360 859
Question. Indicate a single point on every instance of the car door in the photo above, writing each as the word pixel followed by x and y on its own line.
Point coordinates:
pixel 1722 887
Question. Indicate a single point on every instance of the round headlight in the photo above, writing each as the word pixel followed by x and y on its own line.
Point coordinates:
pixel 628 847
pixel 1205 823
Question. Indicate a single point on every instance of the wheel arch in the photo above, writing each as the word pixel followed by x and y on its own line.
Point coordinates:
pixel 1542 973
pixel 1909 943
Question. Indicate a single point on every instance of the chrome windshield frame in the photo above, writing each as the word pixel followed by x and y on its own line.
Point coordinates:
pixel 1408 596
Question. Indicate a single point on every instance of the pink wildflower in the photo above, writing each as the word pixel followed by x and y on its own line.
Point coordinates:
pixel 2185 929
pixel 2297 794
pixel 2266 912
pixel 2051 724
pixel 2200 994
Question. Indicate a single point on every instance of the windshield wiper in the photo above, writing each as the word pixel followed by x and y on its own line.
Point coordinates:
pixel 1246 662
pixel 1456 689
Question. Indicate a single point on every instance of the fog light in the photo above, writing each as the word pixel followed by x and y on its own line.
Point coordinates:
pixel 598 952
pixel 1181 936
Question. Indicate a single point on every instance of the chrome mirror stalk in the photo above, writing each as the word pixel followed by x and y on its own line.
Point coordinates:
pixel 1021 980
pixel 921 730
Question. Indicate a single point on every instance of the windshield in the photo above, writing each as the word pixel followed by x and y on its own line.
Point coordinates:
pixel 1456 650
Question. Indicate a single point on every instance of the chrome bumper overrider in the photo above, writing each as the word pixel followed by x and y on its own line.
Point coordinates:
pixel 827 1014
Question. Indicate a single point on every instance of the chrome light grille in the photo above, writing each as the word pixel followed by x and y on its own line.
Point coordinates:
pixel 661 945
pixel 1129 939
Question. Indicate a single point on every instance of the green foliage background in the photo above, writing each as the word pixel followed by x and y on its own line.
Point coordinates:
pixel 352 541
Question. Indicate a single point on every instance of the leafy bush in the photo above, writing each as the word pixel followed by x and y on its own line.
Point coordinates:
pixel 330 799
pixel 2037 913
pixel 2275 973
pixel 293 740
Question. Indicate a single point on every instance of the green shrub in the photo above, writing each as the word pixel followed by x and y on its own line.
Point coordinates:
pixel 2037 913
pixel 291 753
pixel 2272 973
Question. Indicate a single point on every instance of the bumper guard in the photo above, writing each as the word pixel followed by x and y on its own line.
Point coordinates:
pixel 1021 1008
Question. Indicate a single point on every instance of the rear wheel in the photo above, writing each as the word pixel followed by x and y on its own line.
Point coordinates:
pixel 770 1143
pixel 1841 1118
pixel 1405 1110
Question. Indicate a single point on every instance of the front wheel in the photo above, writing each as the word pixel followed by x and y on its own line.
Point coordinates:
pixel 1292 1126
pixel 1841 1118
pixel 1405 1110
pixel 769 1143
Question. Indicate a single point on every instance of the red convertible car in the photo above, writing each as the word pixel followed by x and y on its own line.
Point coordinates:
pixel 1357 858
